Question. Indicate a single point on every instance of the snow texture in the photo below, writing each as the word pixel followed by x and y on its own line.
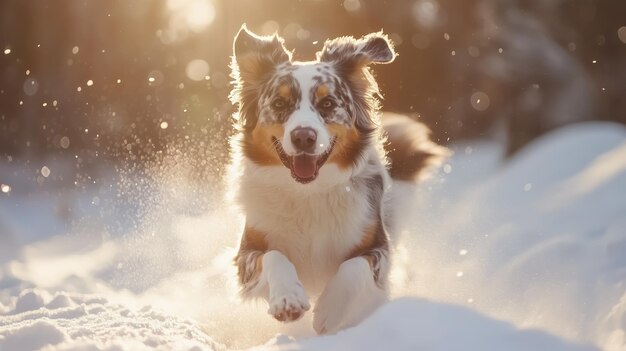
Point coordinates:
pixel 524 254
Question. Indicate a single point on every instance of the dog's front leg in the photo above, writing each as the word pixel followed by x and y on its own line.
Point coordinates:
pixel 356 290
pixel 270 274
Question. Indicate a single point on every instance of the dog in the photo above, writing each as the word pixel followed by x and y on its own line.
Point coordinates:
pixel 310 172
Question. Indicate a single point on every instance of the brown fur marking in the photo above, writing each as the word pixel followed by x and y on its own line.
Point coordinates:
pixel 249 259
pixel 321 92
pixel 257 145
pixel 367 241
pixel 348 145
pixel 285 91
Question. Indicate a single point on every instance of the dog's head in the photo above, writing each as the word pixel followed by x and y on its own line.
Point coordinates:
pixel 304 115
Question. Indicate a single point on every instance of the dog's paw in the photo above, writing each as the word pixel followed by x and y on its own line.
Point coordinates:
pixel 289 304
pixel 348 298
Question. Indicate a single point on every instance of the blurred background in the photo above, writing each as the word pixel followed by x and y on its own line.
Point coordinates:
pixel 99 82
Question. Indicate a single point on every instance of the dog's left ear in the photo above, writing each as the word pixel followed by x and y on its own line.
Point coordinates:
pixel 372 48
pixel 255 56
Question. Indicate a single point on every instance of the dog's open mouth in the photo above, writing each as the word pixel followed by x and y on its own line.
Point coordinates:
pixel 304 167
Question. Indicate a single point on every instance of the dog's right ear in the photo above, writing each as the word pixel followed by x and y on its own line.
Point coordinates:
pixel 254 56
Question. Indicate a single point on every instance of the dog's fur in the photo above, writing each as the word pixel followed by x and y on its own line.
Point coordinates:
pixel 316 222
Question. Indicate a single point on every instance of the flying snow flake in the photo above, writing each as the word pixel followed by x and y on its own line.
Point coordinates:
pixel 89 83
pixel 446 36
pixel 447 168
pixel 119 81
pixel 459 274
pixel 453 53
pixel 5 188
pixel 27 72
pixel 45 171
pixel 54 102
pixel 470 300
pixel 155 78
pixel 44 104
pixel 528 187
pixel 75 50
pixel 594 61
pixel 7 51
pixel 463 252
pixel 500 50
pixel 348 189
pixel 164 125
pixel 79 89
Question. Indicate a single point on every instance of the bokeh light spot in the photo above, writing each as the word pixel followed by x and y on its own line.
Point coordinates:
pixel 621 34
pixel 64 142
pixel 480 101
pixel 352 5
pixel 197 69
pixel 31 86
pixel 5 188
pixel 426 13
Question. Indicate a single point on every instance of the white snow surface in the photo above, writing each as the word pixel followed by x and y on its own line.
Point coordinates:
pixel 524 254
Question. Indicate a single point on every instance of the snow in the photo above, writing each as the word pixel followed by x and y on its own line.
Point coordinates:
pixel 524 254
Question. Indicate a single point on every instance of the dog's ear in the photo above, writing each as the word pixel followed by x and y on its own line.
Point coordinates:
pixel 351 59
pixel 372 48
pixel 254 56
pixel 254 60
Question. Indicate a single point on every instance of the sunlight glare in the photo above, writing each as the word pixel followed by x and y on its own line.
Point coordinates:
pixel 190 15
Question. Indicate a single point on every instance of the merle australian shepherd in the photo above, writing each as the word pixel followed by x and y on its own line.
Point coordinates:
pixel 312 161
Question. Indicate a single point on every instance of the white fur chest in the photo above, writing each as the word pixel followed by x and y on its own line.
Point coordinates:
pixel 315 230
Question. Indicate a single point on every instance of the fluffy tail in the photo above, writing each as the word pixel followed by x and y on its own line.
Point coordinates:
pixel 411 152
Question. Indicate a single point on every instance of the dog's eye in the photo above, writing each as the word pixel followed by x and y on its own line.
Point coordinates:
pixel 279 104
pixel 327 104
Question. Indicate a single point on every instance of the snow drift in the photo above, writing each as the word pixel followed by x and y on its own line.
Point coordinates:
pixel 526 254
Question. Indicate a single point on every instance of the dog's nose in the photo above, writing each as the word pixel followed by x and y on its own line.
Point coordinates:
pixel 303 139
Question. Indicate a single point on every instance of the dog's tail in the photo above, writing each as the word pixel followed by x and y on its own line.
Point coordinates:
pixel 411 152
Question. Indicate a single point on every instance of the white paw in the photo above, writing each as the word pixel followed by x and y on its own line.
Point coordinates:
pixel 288 304
pixel 349 298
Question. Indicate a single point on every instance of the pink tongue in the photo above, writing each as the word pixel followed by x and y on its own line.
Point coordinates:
pixel 304 166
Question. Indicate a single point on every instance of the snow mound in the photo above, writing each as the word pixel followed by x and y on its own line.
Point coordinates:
pixel 414 324
pixel 83 322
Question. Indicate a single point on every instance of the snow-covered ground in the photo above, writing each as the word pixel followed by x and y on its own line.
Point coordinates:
pixel 529 254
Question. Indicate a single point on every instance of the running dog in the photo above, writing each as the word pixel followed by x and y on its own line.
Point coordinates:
pixel 312 167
